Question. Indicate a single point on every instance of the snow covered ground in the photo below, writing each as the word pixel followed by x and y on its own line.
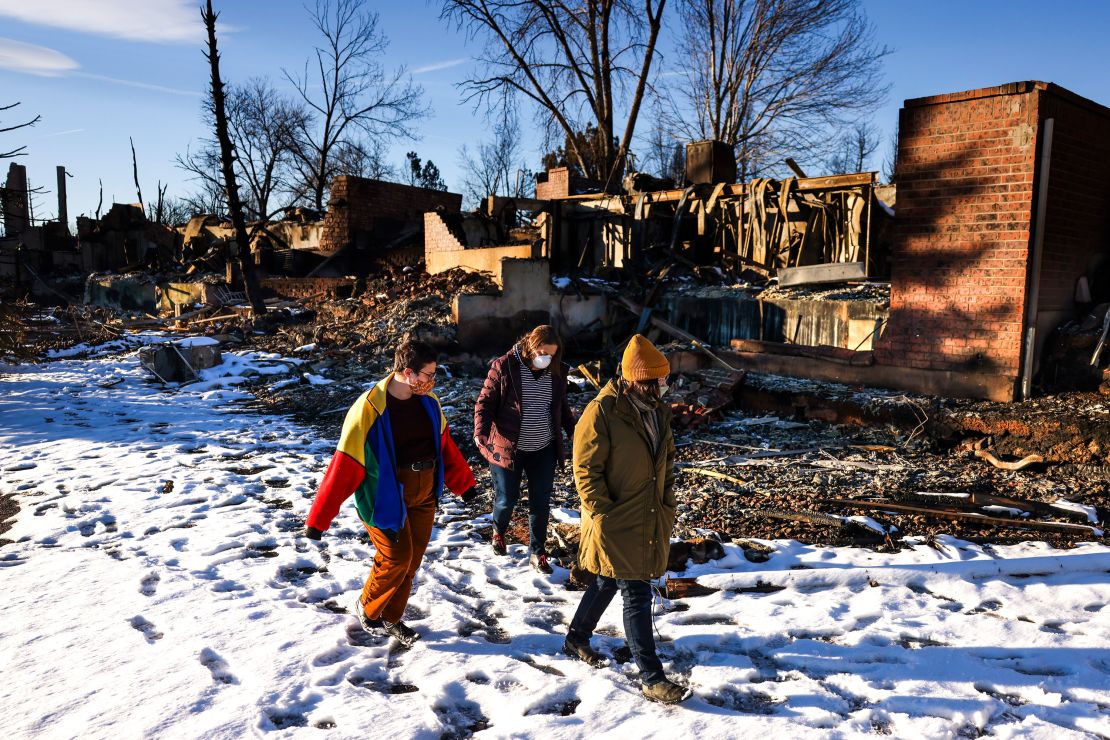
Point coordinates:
pixel 158 585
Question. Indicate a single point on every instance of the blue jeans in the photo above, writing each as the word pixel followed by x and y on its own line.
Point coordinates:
pixel 637 621
pixel 539 466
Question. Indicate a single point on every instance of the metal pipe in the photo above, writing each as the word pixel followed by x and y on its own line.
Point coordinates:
pixel 1033 291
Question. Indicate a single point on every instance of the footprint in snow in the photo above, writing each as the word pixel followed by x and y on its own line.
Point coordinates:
pixel 705 619
pixel 460 718
pixel 547 619
pixel 562 707
pixel 142 624
pixel 217 666
pixel 989 605
pixel 20 466
pixel 11 560
pixel 358 637
pixel 333 656
pixel 149 585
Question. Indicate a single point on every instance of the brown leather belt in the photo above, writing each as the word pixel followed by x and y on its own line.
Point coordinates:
pixel 419 466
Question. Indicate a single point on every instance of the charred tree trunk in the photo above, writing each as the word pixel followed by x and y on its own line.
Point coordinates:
pixel 227 159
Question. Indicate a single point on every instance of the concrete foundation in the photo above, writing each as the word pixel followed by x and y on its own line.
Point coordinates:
pixel 485 259
pixel 526 301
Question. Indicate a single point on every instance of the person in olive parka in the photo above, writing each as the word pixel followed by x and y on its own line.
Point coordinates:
pixel 624 471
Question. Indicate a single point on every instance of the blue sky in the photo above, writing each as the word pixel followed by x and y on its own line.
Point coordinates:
pixel 101 71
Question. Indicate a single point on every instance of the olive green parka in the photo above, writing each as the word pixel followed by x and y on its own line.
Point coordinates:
pixel 627 490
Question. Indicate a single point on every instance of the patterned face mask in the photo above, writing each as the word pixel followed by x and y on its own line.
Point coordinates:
pixel 421 385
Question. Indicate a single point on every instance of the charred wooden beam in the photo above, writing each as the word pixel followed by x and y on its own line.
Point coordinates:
pixel 964 516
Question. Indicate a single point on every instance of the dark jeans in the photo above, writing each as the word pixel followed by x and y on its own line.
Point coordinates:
pixel 637 621
pixel 539 466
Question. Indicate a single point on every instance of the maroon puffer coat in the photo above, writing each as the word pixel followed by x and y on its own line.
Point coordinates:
pixel 497 415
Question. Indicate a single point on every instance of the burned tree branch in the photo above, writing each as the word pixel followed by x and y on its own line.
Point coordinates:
pixel 227 155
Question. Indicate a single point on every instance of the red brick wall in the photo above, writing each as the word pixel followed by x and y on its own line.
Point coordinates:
pixel 965 197
pixel 557 185
pixel 1077 219
pixel 364 212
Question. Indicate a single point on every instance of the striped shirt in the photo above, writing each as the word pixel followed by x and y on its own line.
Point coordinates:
pixel 535 420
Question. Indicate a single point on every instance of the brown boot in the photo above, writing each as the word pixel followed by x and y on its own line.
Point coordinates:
pixel 665 692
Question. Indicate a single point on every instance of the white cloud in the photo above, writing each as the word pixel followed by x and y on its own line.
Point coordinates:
pixel 138 20
pixel 140 85
pixel 43 62
pixel 434 67
pixel 36 60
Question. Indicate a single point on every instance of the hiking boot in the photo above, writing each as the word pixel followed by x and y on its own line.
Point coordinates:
pixel 373 626
pixel 581 650
pixel 665 692
pixel 539 563
pixel 498 543
pixel 405 635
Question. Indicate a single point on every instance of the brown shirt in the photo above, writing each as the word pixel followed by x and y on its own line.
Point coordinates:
pixel 413 434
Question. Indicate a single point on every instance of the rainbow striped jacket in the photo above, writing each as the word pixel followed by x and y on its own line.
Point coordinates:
pixel 365 464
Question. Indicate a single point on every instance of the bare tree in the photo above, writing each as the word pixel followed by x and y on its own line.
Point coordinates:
pixel 664 155
pixel 579 62
pixel 774 78
pixel 170 211
pixel 19 150
pixel 263 125
pixel 135 173
pixel 352 97
pixel 856 147
pixel 496 166
pixel 890 164
pixel 227 159
pixel 363 159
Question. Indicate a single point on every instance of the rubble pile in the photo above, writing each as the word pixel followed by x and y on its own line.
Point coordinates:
pixel 28 330
pixel 386 308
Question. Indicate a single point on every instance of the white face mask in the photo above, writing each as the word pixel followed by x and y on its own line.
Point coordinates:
pixel 663 388
pixel 541 362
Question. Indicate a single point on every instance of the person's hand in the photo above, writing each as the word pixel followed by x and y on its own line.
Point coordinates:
pixel 312 533
pixel 469 494
pixel 392 534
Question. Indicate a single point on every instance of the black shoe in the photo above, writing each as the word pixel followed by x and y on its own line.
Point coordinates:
pixel 581 650
pixel 373 626
pixel 402 632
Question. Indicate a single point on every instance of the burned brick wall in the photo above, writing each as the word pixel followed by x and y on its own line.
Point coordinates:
pixel 368 213
pixel 966 165
pixel 1077 218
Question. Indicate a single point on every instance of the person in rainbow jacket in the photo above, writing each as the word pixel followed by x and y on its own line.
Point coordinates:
pixel 395 454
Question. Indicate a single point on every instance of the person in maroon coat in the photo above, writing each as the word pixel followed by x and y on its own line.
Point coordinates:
pixel 519 419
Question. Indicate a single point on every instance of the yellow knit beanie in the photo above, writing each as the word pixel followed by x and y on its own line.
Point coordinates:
pixel 642 361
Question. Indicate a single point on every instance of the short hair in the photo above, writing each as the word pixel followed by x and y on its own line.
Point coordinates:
pixel 414 355
pixel 543 334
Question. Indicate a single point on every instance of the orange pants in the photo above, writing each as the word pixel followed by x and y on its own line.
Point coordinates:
pixel 389 584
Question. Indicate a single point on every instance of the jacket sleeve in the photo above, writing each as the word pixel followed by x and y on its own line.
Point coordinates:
pixel 489 400
pixel 591 452
pixel 340 481
pixel 668 482
pixel 457 475
pixel 346 470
